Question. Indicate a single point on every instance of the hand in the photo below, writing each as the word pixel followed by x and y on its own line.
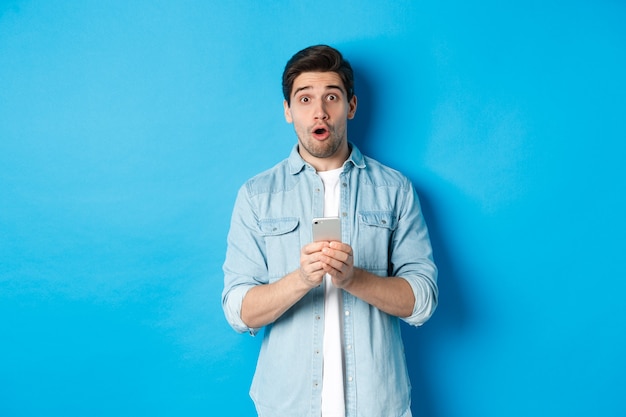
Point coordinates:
pixel 337 260
pixel 311 271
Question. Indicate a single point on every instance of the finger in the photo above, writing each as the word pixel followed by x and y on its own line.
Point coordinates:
pixel 311 265
pixel 333 266
pixel 314 247
pixel 339 255
pixel 343 247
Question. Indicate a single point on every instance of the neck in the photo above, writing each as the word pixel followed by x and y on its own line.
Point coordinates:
pixel 329 163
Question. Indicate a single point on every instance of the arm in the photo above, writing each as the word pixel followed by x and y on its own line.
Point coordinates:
pixel 393 295
pixel 251 304
pixel 252 296
pixel 264 304
pixel 411 293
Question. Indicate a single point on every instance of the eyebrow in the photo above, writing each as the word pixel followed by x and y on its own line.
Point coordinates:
pixel 328 87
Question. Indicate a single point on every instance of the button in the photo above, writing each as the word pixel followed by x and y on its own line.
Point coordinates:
pixel 349 347
pixel 345 184
pixel 349 379
pixel 347 312
pixel 344 214
pixel 317 317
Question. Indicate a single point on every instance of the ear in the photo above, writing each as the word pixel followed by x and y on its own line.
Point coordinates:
pixel 288 117
pixel 352 108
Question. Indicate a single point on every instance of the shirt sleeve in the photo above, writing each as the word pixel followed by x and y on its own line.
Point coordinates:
pixel 412 258
pixel 244 266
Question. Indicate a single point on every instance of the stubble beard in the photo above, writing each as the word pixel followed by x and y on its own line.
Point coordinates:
pixel 323 149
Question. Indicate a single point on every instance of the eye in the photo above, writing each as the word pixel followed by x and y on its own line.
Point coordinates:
pixel 332 97
pixel 304 99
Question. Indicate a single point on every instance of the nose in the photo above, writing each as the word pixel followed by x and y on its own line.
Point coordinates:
pixel 320 111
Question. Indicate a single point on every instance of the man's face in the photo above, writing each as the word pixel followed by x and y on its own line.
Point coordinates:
pixel 319 111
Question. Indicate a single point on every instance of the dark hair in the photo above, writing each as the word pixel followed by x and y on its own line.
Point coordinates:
pixel 318 58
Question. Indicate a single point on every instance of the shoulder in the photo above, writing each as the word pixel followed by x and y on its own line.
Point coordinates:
pixel 270 180
pixel 383 175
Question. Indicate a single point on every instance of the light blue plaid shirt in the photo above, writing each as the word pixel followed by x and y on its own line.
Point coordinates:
pixel 381 219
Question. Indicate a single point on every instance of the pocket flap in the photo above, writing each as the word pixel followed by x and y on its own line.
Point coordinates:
pixel 275 227
pixel 384 219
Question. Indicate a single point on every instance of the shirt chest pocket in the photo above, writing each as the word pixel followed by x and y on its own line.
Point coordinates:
pixel 282 245
pixel 375 233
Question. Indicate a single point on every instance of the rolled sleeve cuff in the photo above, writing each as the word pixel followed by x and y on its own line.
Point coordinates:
pixel 232 309
pixel 426 295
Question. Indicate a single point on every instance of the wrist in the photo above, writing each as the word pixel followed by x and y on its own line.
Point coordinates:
pixel 303 283
pixel 353 282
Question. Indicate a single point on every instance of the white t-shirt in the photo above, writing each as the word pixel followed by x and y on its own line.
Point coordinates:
pixel 333 402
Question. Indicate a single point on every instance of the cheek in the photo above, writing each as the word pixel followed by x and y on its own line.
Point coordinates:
pixel 298 127
pixel 297 120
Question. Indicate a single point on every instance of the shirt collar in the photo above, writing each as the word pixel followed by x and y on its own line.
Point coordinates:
pixel 297 164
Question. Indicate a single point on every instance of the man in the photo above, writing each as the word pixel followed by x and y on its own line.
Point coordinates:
pixel 330 310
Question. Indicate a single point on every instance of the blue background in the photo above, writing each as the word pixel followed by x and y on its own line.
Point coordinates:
pixel 126 129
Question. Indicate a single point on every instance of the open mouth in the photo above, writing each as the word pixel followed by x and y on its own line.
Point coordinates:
pixel 320 131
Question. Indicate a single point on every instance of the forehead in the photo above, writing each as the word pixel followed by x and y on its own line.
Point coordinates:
pixel 317 81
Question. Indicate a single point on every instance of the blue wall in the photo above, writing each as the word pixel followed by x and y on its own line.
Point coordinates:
pixel 127 127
